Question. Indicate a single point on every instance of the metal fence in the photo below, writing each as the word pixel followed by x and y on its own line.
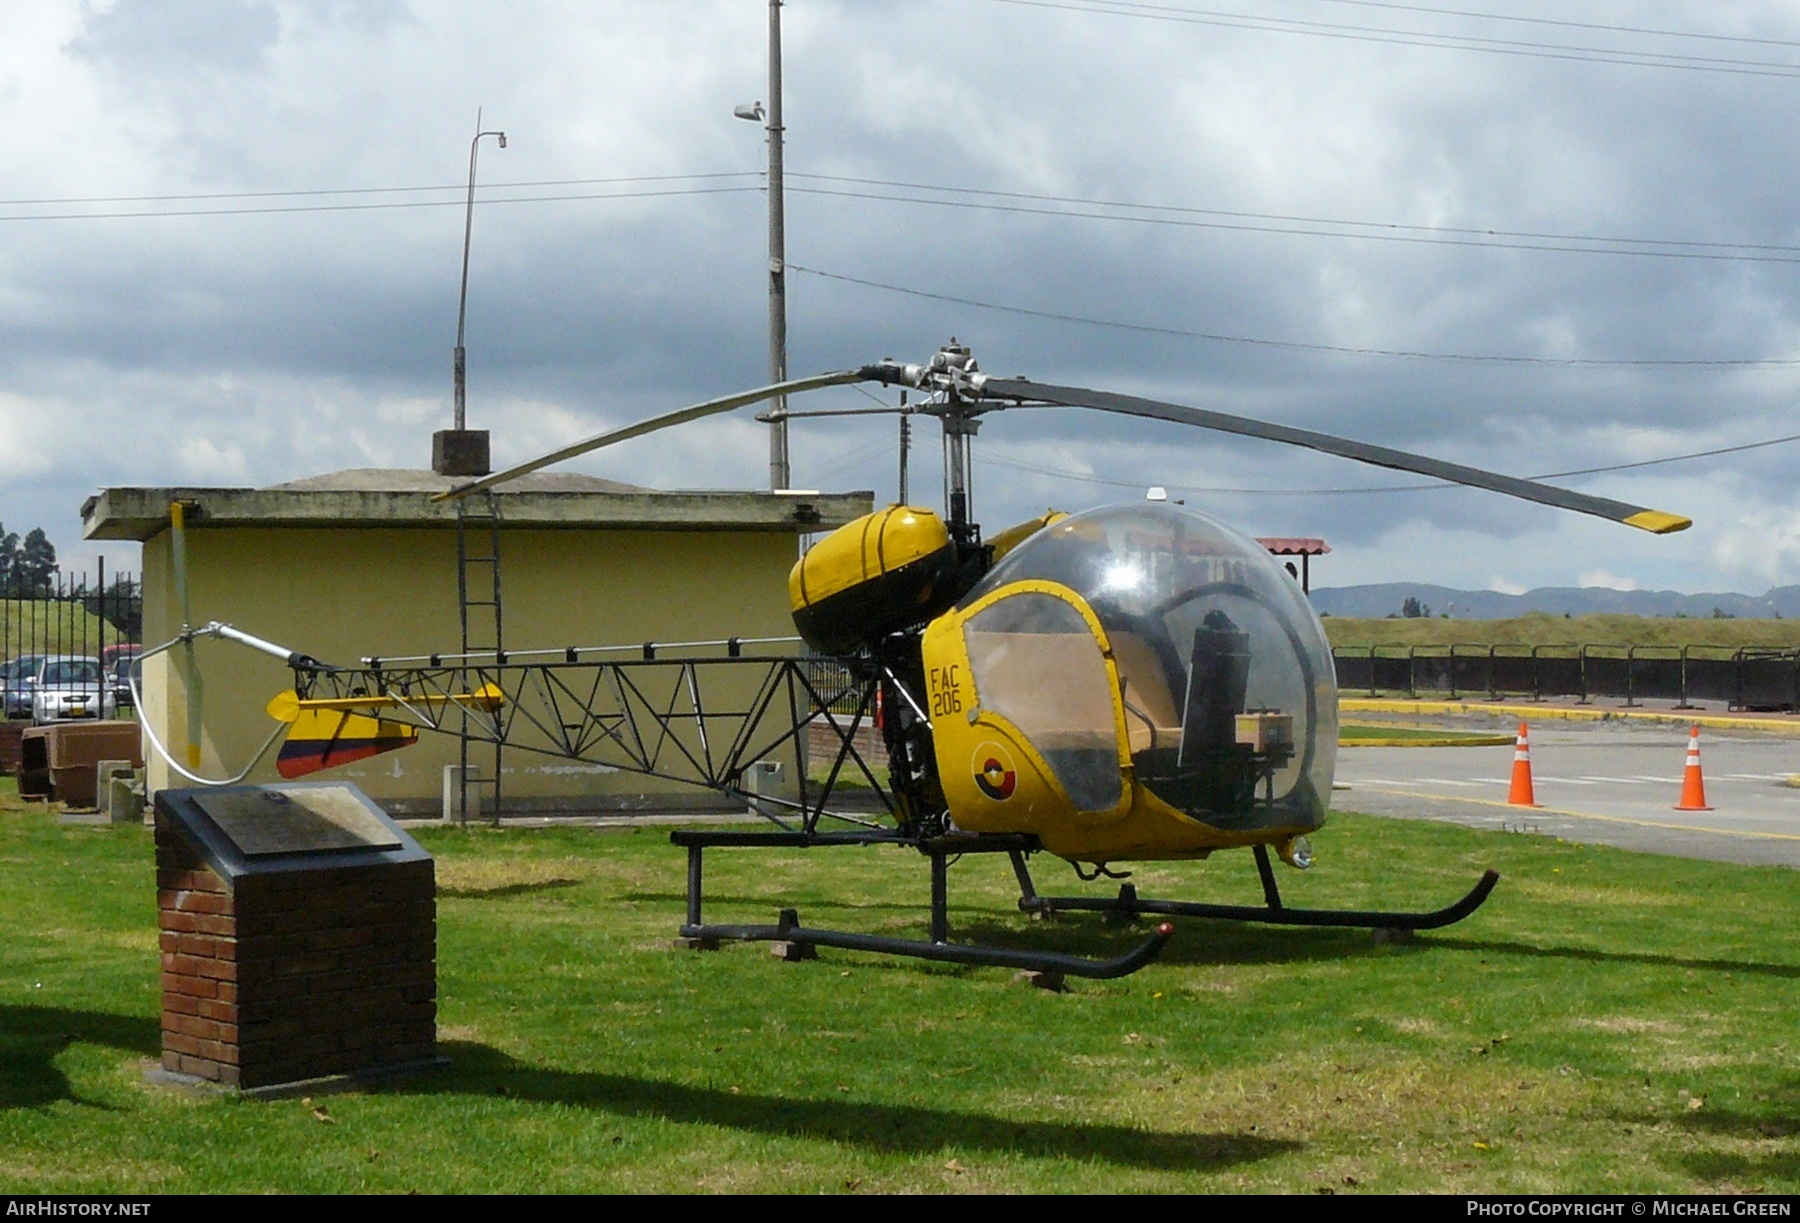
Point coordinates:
pixel 73 615
pixel 836 684
pixel 1746 678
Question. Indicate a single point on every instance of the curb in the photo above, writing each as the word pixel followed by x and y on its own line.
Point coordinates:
pixel 1564 713
pixel 1458 741
pixel 1744 833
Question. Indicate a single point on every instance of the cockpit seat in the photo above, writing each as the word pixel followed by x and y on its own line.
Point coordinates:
pixel 1152 714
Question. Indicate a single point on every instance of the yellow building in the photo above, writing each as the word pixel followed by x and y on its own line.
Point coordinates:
pixel 363 562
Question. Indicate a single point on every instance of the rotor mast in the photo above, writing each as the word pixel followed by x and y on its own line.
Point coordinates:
pixel 956 405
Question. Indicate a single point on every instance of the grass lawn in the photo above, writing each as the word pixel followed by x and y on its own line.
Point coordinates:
pixel 48 626
pixel 1610 1021
pixel 1541 628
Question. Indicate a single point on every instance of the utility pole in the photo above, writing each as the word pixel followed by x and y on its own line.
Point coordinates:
pixel 778 426
pixel 779 475
pixel 905 445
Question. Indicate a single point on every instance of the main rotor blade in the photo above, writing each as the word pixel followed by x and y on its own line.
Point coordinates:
pixel 1655 521
pixel 680 416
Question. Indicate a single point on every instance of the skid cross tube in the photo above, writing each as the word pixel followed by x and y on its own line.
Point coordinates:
pixel 939 849
pixel 1272 912
pixel 788 930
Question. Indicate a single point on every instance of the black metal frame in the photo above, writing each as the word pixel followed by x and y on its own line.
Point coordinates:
pixel 940 850
pixel 649 715
pixel 1273 912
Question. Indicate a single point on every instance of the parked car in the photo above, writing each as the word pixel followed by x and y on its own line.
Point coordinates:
pixel 16 677
pixel 69 687
pixel 116 661
pixel 121 681
pixel 113 653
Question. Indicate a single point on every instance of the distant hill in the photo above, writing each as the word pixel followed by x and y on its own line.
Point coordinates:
pixel 1376 601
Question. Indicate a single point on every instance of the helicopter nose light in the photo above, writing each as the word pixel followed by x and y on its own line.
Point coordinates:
pixel 1297 853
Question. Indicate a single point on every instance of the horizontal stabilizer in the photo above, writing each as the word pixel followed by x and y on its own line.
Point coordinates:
pixel 324 739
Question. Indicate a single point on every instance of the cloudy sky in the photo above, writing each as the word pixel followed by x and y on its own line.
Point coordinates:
pixel 1563 239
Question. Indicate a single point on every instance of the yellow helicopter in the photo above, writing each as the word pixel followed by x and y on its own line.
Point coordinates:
pixel 1125 684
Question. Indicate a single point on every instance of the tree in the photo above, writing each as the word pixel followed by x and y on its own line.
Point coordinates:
pixel 9 557
pixel 122 605
pixel 1412 609
pixel 35 566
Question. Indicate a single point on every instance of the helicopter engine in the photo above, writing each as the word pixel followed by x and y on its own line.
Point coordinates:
pixel 885 572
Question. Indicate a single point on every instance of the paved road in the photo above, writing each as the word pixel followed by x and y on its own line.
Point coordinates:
pixel 1602 782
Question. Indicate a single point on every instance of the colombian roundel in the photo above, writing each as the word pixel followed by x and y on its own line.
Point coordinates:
pixel 994 772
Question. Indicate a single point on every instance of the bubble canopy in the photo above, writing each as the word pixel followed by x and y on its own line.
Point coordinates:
pixel 1225 675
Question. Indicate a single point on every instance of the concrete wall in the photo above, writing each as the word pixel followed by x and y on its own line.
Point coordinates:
pixel 342 594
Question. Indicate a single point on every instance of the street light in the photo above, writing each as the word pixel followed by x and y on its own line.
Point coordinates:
pixel 462 306
pixel 771 120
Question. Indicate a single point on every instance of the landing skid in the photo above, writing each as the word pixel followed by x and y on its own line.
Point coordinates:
pixel 1051 965
pixel 1129 904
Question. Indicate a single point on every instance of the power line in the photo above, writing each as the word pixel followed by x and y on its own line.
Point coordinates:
pixel 458 187
pixel 865 453
pixel 1679 243
pixel 1306 230
pixel 1572 25
pixel 1415 38
pixel 1218 337
pixel 1298 345
pixel 389 204
pixel 1229 218
pixel 1674 458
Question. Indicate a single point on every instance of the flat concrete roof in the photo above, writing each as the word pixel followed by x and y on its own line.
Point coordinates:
pixel 382 497
pixel 417 480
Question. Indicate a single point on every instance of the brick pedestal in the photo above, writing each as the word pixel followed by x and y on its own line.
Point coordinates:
pixel 11 748
pixel 283 967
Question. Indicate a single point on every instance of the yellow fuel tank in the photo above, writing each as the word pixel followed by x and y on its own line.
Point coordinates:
pixel 871 577
pixel 1012 537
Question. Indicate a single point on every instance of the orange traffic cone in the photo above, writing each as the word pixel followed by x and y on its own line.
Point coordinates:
pixel 1693 786
pixel 1521 794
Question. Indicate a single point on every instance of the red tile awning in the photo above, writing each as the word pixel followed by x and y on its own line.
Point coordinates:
pixel 1294 546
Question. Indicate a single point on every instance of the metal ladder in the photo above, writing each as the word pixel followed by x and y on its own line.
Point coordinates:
pixel 478 595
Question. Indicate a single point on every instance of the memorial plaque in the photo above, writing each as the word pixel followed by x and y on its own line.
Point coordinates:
pixel 298 929
pixel 269 821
